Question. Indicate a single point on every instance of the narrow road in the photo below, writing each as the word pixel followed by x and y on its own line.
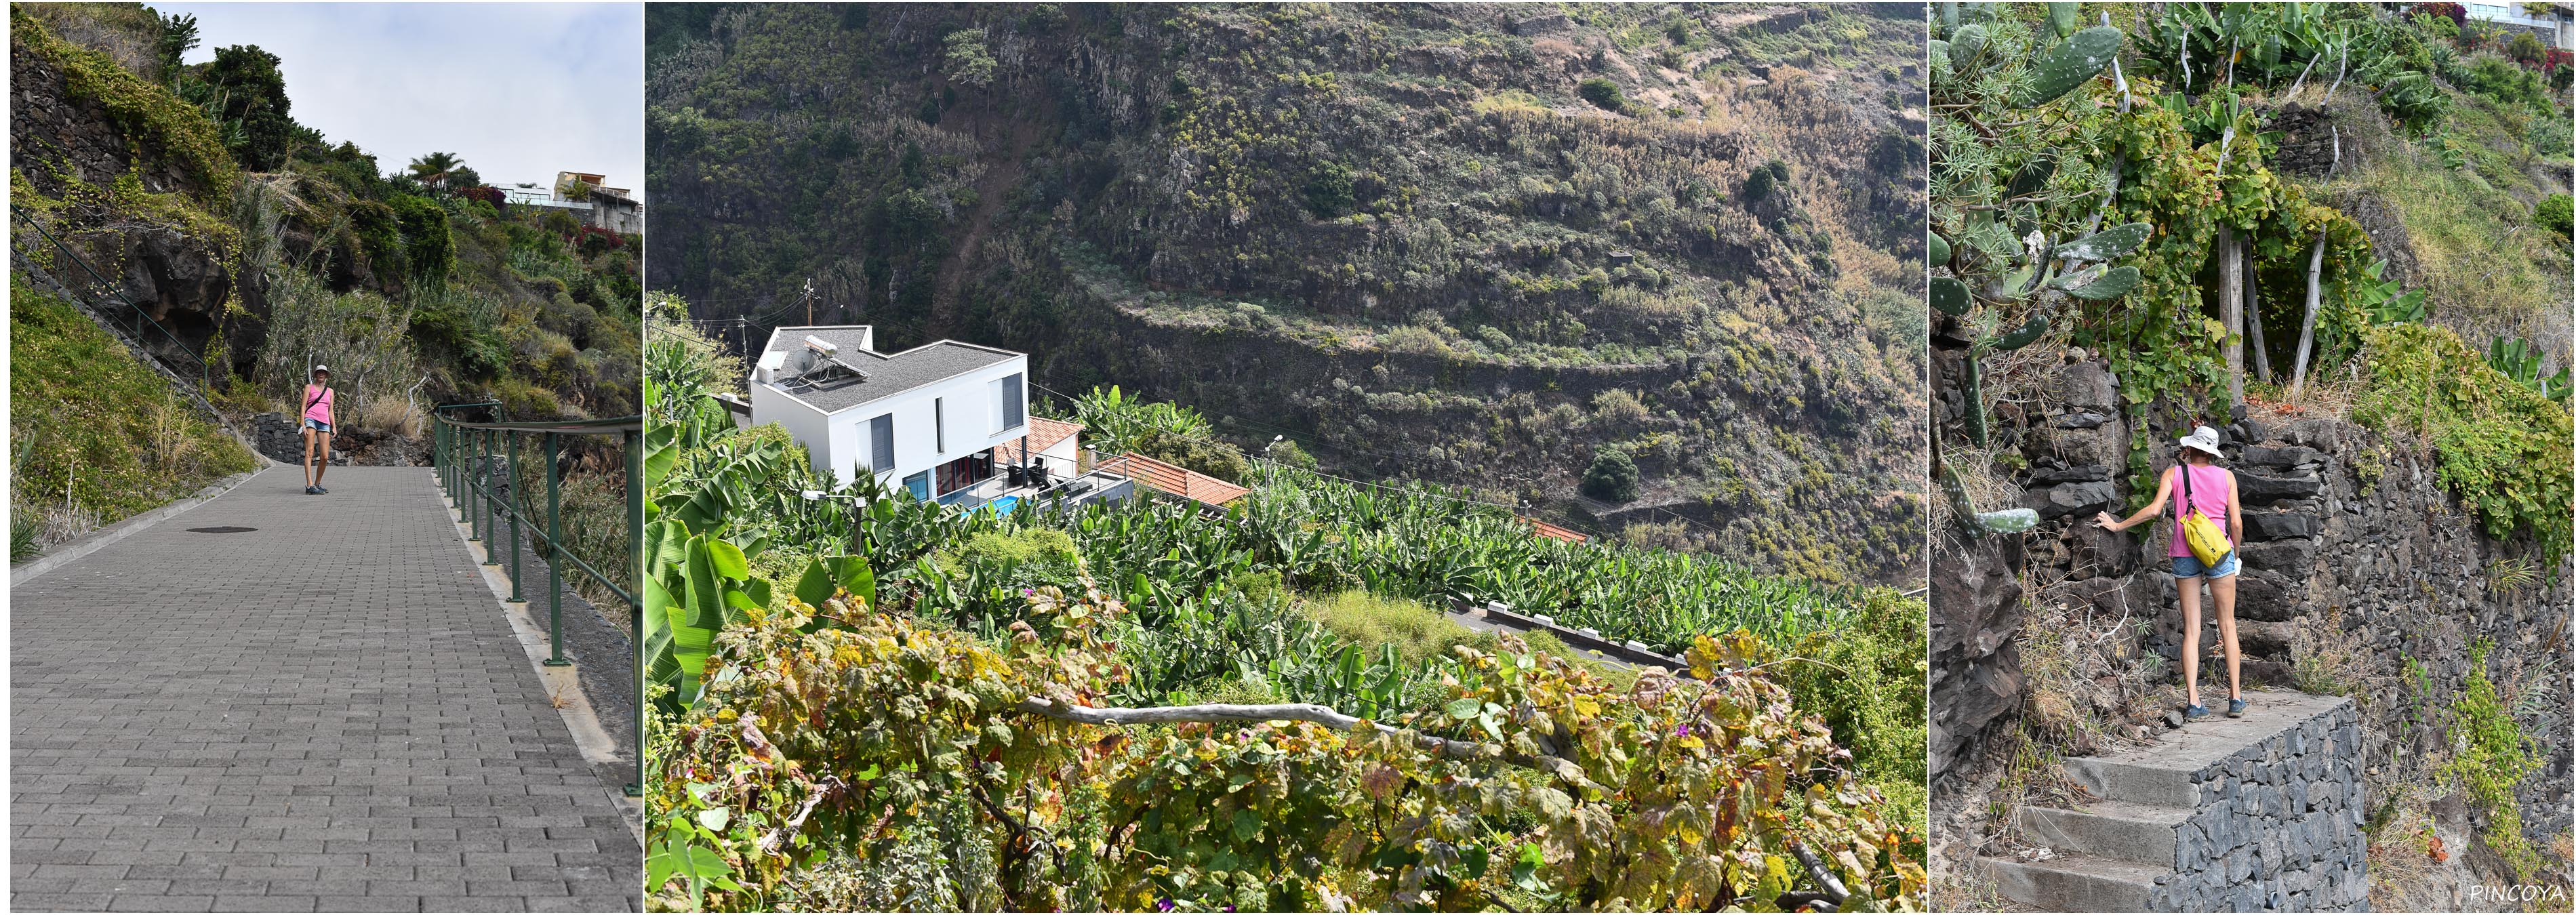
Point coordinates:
pixel 325 713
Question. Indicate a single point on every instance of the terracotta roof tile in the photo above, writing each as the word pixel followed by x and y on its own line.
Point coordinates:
pixel 1549 530
pixel 1044 432
pixel 1173 479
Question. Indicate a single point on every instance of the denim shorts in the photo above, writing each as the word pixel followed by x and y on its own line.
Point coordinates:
pixel 316 425
pixel 2188 566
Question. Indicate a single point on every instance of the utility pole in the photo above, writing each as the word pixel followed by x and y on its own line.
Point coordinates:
pixel 809 301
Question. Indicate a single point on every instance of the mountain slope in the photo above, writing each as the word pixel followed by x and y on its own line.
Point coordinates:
pixel 1471 244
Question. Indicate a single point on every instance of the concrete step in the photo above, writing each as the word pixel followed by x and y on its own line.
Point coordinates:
pixel 2077 883
pixel 2117 830
pixel 2168 772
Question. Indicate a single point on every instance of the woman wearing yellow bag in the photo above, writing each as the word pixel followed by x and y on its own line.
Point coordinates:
pixel 2200 549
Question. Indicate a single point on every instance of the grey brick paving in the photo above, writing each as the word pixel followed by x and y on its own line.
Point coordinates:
pixel 327 714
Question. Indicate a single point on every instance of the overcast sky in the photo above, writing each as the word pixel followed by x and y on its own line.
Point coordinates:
pixel 520 90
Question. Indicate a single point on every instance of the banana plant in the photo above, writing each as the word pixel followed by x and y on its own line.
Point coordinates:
pixel 2386 301
pixel 695 584
pixel 2519 360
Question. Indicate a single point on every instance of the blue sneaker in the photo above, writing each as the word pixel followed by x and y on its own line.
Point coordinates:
pixel 2192 713
pixel 2235 708
pixel 312 491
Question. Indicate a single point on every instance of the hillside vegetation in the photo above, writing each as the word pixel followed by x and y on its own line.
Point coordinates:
pixel 874 663
pixel 2342 220
pixel 99 436
pixel 1479 245
pixel 260 248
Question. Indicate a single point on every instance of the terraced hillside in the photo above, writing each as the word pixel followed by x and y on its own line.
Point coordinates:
pixel 1479 245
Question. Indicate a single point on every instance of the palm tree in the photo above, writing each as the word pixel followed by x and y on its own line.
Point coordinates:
pixel 434 169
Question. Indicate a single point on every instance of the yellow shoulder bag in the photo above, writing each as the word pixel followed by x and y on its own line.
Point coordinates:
pixel 2208 543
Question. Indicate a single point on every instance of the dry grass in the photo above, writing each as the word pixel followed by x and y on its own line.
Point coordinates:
pixel 1987 490
pixel 176 435
pixel 60 524
pixel 2326 660
pixel 390 414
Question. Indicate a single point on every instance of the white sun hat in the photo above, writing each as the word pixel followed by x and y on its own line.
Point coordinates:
pixel 2203 438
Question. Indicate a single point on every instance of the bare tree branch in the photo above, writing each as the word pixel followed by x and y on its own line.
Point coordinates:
pixel 1317 714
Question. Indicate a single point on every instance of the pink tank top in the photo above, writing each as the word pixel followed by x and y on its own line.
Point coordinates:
pixel 318 409
pixel 2208 493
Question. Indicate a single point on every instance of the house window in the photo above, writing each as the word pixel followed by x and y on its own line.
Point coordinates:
pixel 1007 394
pixel 881 443
pixel 919 485
pixel 939 423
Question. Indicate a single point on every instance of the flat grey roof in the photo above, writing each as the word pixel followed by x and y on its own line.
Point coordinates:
pixel 887 374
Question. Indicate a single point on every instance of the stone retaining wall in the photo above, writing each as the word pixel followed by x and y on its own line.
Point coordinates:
pixel 2279 825
pixel 2350 539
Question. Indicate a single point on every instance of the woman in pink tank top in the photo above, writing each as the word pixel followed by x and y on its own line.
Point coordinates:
pixel 317 430
pixel 2211 489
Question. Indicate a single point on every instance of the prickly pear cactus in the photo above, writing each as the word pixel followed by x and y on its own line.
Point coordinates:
pixel 1965 46
pixel 2060 69
pixel 2009 521
pixel 1950 296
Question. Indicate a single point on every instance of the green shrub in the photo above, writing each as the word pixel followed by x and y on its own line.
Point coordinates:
pixel 1866 680
pixel 1035 556
pixel 1612 477
pixel 1602 92
pixel 2494 756
pixel 2554 214
pixel 1417 632
pixel 1330 190
pixel 2503 448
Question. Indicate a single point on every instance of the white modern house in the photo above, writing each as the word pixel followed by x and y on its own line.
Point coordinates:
pixel 947 420
pixel 2554 22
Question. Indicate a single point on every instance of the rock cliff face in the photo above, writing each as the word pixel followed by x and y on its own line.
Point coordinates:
pixel 57 137
pixel 2361 573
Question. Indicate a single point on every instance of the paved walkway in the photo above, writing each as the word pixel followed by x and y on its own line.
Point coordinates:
pixel 328 713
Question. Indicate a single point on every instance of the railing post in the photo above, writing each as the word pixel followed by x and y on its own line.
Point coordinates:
pixel 513 507
pixel 465 491
pixel 491 528
pixel 635 586
pixel 554 562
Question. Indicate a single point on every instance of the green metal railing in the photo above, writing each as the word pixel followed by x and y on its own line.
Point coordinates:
pixel 466 455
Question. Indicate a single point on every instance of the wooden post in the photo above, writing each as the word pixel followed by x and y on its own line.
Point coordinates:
pixel 2231 312
pixel 2254 312
pixel 2308 325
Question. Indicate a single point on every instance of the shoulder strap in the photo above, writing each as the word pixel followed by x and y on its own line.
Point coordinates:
pixel 2182 471
pixel 319 392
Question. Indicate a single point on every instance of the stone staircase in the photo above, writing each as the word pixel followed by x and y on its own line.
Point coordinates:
pixel 2253 814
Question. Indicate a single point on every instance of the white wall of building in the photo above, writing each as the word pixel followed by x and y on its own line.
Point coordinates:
pixel 804 423
pixel 964 404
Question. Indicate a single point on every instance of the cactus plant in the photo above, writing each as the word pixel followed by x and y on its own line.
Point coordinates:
pixel 1938 248
pixel 1950 296
pixel 1973 523
pixel 2071 63
pixel 2061 19
pixel 1965 45
pixel 1974 382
